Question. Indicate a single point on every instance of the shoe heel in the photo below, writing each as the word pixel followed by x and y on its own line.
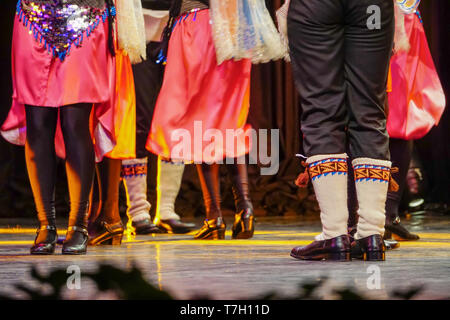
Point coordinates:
pixel 375 256
pixel 244 230
pixel 215 235
pixel 117 240
pixel 244 235
pixel 339 256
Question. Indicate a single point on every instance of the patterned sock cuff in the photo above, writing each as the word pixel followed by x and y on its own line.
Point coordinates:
pixel 324 165
pixel 367 169
pixel 132 170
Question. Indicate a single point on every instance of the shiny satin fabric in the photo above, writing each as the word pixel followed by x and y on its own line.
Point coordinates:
pixel 196 89
pixel 87 75
pixel 417 100
pixel 40 79
pixel 123 105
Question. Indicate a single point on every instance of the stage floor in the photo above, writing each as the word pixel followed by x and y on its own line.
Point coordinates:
pixel 235 269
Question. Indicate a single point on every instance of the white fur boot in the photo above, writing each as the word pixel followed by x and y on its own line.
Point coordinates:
pixel 135 181
pixel 372 178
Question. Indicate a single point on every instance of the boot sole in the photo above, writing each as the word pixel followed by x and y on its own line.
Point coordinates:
pixel 341 256
pixel 74 253
pixel 374 256
pixel 42 253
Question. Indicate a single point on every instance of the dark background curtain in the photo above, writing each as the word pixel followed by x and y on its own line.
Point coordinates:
pixel 274 105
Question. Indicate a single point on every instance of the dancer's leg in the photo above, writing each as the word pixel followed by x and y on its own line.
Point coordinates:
pixel 40 158
pixel 214 226
pixel 316 38
pixel 80 168
pixel 243 227
pixel 367 54
pixel 107 226
pixel 401 153
pixel 168 186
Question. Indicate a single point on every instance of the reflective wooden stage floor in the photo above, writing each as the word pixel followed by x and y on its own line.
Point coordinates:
pixel 234 269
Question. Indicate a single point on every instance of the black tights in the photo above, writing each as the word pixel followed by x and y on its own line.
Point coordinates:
pixel 401 153
pixel 40 157
pixel 210 182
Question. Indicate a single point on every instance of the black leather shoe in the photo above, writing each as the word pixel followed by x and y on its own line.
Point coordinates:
pixel 336 249
pixel 145 227
pixel 105 233
pixel 397 231
pixel 391 244
pixel 244 225
pixel 45 241
pixel 212 230
pixel 175 226
pixel 371 248
pixel 76 241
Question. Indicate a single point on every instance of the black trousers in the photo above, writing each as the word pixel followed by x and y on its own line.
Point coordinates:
pixel 340 60
pixel 148 77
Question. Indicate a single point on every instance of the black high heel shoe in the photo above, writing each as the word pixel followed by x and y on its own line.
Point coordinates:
pixel 45 241
pixel 398 232
pixel 244 224
pixel 105 233
pixel 76 241
pixel 212 230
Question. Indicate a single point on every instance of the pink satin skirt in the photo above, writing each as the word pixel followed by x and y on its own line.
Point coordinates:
pixel 417 100
pixel 87 75
pixel 200 103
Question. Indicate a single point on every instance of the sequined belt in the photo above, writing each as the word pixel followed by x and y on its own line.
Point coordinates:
pixel 185 15
pixel 59 25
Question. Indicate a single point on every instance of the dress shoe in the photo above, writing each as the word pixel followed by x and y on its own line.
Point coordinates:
pixel 105 233
pixel 213 229
pixel 371 248
pixel 244 225
pixel 175 226
pixel 397 231
pixel 45 241
pixel 145 227
pixel 337 249
pixel 389 243
pixel 76 241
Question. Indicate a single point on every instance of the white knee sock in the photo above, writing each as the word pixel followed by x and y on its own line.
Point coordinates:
pixel 168 186
pixel 372 181
pixel 328 174
pixel 135 180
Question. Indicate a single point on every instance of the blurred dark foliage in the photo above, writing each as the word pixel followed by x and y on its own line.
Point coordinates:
pixel 132 285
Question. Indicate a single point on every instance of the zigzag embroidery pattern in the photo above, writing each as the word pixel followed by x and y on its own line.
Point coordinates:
pixel 372 173
pixel 134 170
pixel 328 166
